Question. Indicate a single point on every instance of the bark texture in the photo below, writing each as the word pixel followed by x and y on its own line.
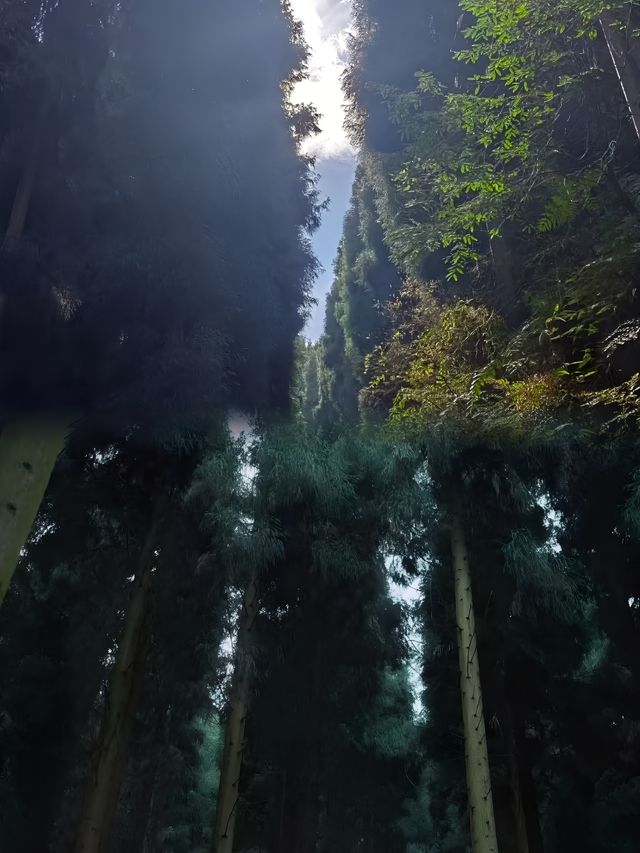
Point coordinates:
pixel 28 452
pixel 228 789
pixel 123 698
pixel 482 821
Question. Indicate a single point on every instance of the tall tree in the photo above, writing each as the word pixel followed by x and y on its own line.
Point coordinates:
pixel 228 792
pixel 153 317
pixel 62 66
pixel 123 697
pixel 327 645
pixel 483 829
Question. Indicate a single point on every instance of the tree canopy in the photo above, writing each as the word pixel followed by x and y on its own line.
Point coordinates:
pixel 375 593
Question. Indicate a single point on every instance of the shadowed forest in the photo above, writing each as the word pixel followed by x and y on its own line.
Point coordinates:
pixel 377 593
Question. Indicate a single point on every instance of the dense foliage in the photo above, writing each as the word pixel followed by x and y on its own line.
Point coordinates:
pixel 374 593
pixel 500 158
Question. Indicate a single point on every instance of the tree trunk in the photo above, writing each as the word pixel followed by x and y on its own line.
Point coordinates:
pixel 22 201
pixel 508 803
pixel 310 823
pixel 305 763
pixel 282 811
pixel 143 803
pixel 625 56
pixel 24 191
pixel 517 802
pixel 507 297
pixel 529 800
pixel 228 795
pixel 483 831
pixel 28 452
pixel 301 805
pixel 524 755
pixel 122 701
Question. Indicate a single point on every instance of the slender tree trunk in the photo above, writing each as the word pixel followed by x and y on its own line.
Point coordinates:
pixel 143 804
pixel 305 765
pixel 148 776
pixel 309 824
pixel 310 828
pixel 301 825
pixel 24 192
pixel 28 452
pixel 625 56
pixel 507 289
pixel 511 825
pixel 122 701
pixel 22 200
pixel 483 830
pixel 283 802
pixel 517 801
pixel 228 795
pixel 523 753
pixel 529 804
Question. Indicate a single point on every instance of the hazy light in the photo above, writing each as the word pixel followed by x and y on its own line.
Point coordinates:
pixel 326 26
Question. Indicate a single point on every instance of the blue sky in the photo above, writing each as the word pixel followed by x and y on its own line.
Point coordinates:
pixel 336 176
pixel 327 24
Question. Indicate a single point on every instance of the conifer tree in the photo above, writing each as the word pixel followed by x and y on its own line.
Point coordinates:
pixel 327 636
pixel 157 321
pixel 211 647
pixel 228 792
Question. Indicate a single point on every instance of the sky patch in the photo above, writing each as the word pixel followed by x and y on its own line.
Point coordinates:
pixel 327 25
